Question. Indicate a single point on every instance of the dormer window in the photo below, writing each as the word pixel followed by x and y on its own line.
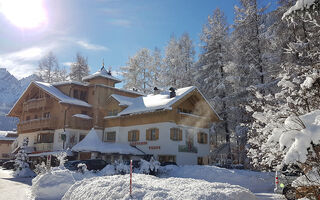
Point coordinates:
pixel 76 94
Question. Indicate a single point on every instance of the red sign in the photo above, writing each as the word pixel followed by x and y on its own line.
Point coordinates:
pixel 154 147
pixel 138 143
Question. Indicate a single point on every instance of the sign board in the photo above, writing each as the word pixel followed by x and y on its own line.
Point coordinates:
pixel 154 147
pixel 138 143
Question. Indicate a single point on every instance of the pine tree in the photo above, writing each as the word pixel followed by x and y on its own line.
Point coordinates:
pixel 79 68
pixel 21 162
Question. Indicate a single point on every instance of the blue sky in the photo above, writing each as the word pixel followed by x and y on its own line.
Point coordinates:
pixel 111 30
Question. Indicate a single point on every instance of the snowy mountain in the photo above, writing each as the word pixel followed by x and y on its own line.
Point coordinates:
pixel 10 90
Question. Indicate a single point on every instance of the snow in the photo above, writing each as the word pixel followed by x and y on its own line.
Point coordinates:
pixel 300 5
pixel 296 138
pixel 117 187
pixel 151 102
pixel 312 178
pixel 59 95
pixel 54 184
pixel 93 143
pixel 55 153
pixel 82 116
pixel 4 135
pixel 69 82
pixel 14 188
pixel 101 73
pixel 254 181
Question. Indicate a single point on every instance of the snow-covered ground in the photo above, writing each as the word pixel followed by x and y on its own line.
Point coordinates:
pixel 14 188
pixel 185 182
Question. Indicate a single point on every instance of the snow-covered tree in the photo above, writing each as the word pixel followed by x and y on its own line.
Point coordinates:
pixel 21 162
pixel 48 69
pixel 138 72
pixel 79 68
pixel 179 62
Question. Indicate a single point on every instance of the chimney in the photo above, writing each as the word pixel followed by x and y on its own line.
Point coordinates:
pixel 156 91
pixel 172 92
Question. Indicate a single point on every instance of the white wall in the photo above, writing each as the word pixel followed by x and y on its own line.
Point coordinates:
pixel 167 146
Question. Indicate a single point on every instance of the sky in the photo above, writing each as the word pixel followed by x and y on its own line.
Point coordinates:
pixel 109 30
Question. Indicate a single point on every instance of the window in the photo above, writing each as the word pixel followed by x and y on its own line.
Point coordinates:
pixel 175 134
pixel 133 136
pixel 5 155
pixel 110 136
pixel 152 134
pixel 35 116
pixel 45 138
pixel 202 138
pixel 166 158
pixel 76 94
pixel 83 95
pixel 46 115
pixel 27 118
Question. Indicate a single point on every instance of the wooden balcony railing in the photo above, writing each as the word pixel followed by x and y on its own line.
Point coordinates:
pixel 44 146
pixel 36 124
pixel 35 104
pixel 78 123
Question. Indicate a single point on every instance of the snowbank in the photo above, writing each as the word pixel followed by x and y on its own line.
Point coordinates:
pixel 54 184
pixel 254 181
pixel 151 187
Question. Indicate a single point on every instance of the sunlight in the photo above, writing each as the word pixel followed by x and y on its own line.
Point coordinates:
pixel 24 14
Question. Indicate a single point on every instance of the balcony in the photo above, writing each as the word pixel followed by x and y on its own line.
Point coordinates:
pixel 78 123
pixel 44 146
pixel 36 124
pixel 34 104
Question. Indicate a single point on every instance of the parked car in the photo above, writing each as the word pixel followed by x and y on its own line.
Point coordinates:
pixel 167 163
pixel 9 164
pixel 94 164
pixel 3 161
pixel 284 179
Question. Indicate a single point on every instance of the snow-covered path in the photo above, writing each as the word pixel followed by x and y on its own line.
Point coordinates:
pixel 14 188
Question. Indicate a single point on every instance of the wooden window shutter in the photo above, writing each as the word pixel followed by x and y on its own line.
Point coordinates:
pixel 180 134
pixel 206 138
pixel 171 133
pixel 199 137
pixel 138 135
pixel 129 136
pixel 157 134
pixel 148 134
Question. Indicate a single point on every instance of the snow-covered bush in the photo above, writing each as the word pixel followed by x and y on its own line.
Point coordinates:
pixel 121 167
pixel 150 167
pixel 107 171
pixel 22 166
pixel 40 168
pixel 62 157
pixel 82 167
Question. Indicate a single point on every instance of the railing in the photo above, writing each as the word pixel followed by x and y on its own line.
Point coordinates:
pixel 44 146
pixel 36 124
pixel 78 123
pixel 34 104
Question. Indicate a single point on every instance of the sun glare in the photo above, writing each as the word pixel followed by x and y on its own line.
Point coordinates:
pixel 24 13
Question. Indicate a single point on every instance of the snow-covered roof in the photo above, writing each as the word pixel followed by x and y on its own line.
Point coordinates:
pixel 123 100
pixel 101 73
pixel 8 135
pixel 93 143
pixel 70 82
pixel 151 102
pixel 54 153
pixel 82 116
pixel 59 95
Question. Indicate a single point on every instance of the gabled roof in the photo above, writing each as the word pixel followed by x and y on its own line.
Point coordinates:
pixel 153 102
pixel 101 73
pixel 59 95
pixel 92 143
pixel 50 89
